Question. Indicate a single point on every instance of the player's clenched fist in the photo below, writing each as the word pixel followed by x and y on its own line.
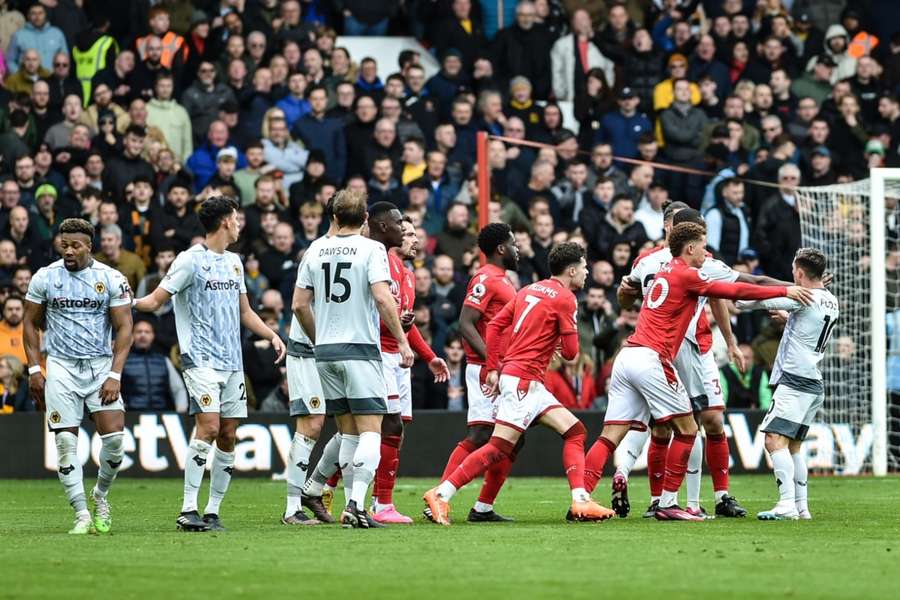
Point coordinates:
pixel 109 392
pixel 36 387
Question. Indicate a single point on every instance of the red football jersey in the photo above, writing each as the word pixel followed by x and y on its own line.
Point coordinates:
pixel 671 302
pixel 403 288
pixel 488 292
pixel 532 326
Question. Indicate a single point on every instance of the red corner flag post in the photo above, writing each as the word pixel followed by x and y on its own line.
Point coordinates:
pixel 484 178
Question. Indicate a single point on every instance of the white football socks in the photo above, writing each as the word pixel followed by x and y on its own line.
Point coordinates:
pixel 111 453
pixel 297 469
pixel 327 466
pixel 801 475
pixel 365 462
pixel 349 443
pixel 633 444
pixel 219 480
pixel 783 466
pixel 70 472
pixel 194 465
pixel 692 476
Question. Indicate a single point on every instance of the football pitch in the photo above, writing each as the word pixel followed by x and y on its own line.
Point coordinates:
pixel 850 549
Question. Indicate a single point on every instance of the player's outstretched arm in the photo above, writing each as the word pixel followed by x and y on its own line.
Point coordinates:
pixel 153 301
pixel 251 321
pixel 468 319
pixel 779 304
pixel 387 309
pixel 120 317
pixel 31 336
pixel 436 364
pixel 301 306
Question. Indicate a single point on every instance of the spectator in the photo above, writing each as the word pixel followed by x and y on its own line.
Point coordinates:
pixel 622 129
pixel 124 169
pixel 170 117
pixel 383 186
pixel 13 143
pixel 523 49
pixel 202 163
pixel 39 34
pixel 664 92
pixel 650 210
pixel 461 31
pixel 119 76
pixel 112 254
pixel 572 193
pixel 29 72
pixel 456 239
pixel 618 226
pixel 176 224
pixel 319 132
pixel 836 45
pixel 295 104
pixel 11 329
pixel 773 56
pixel 226 164
pixel 777 233
pixel 283 153
pixel 203 99
pixel 441 190
pixel 749 389
pixel 150 382
pixel 174 48
pixel 573 55
pixel 727 223
pixel 29 244
pixel 682 125
pixel 14 395
pixel 450 395
pixel 367 17
pixel 278 262
pixel 820 168
pixel 595 314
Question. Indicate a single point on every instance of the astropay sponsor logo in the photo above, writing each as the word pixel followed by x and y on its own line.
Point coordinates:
pixel 63 303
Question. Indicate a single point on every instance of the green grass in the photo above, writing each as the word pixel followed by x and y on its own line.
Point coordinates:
pixel 851 549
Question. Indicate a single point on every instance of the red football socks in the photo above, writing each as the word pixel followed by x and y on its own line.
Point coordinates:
pixel 595 461
pixel 656 464
pixel 386 474
pixel 480 461
pixel 717 460
pixel 677 461
pixel 573 455
pixel 334 479
pixel 459 454
pixel 494 478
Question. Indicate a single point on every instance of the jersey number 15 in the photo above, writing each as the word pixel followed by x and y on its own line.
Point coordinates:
pixel 338 279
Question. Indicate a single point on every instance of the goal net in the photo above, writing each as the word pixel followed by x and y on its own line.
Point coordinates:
pixel 856 226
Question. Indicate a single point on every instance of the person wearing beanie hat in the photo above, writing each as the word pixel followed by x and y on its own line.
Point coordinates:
pixel 663 92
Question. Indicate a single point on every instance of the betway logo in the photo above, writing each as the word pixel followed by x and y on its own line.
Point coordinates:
pixel 75 303
pixel 222 286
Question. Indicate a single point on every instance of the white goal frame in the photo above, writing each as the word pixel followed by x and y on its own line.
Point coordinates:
pixel 878 291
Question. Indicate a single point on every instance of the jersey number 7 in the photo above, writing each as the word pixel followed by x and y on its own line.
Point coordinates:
pixel 531 301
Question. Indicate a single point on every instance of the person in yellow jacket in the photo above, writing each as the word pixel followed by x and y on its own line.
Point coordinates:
pixel 664 93
pixel 93 51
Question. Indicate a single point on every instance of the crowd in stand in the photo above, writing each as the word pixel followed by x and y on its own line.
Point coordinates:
pixel 129 113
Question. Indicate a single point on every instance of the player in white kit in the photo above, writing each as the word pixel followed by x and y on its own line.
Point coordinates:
pixel 347 277
pixel 80 302
pixel 211 304
pixel 799 391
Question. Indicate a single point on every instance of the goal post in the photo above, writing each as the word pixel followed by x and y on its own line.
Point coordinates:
pixel 878 288
pixel 850 223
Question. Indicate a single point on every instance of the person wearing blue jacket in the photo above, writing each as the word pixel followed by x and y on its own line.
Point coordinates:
pixel 318 132
pixel 202 163
pixel 623 127
pixel 39 34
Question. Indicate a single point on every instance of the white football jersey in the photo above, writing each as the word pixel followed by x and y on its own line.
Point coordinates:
pixel 299 344
pixel 715 270
pixel 805 338
pixel 646 267
pixel 340 271
pixel 207 287
pixel 77 307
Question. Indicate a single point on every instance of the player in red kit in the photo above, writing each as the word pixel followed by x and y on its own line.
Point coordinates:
pixel 488 292
pixel 523 337
pixel 383 216
pixel 644 382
